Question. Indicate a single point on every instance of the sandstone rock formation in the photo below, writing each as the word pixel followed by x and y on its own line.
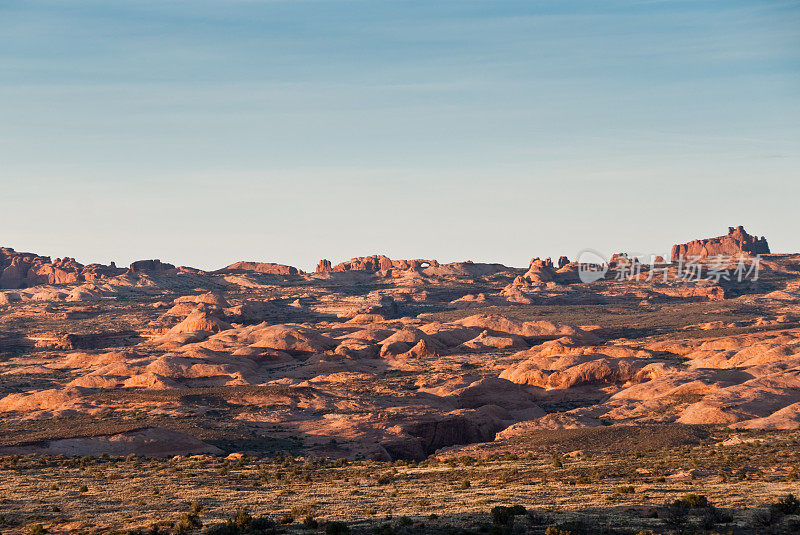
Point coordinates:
pixel 540 271
pixel 373 264
pixel 150 266
pixel 736 242
pixel 24 270
pixel 259 267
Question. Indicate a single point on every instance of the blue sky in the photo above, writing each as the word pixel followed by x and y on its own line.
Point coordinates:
pixel 204 132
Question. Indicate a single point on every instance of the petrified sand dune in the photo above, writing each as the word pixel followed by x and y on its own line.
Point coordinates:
pixel 52 399
pixel 199 320
pixel 290 338
pixel 152 442
pixel 392 358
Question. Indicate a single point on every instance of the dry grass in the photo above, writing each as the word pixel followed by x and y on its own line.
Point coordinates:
pixel 557 485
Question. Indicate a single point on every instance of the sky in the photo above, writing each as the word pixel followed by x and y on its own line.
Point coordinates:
pixel 205 132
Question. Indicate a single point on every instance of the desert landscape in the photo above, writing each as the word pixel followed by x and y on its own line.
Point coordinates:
pixel 387 396
pixel 381 267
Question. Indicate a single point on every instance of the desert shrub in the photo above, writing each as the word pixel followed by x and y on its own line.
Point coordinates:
pixel 83 488
pixel 302 510
pixel 573 527
pixel 187 523
pixel 788 505
pixel 466 484
pixel 695 500
pixel 404 521
pixel 384 529
pixel 792 524
pixel 336 528
pixel 243 523
pixel 310 522
pixel 38 529
pixel 503 515
pixel 385 479
pixel 675 514
pixel 536 518
pixel 765 517
pixel 711 516
pixel 625 489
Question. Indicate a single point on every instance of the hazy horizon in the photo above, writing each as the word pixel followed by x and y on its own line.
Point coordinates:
pixel 290 131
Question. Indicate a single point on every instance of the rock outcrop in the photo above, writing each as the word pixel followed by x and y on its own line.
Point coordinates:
pixel 23 270
pixel 259 267
pixel 373 264
pixel 736 242
pixel 150 266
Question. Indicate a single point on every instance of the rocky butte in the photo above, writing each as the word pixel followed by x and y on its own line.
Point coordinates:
pixel 736 242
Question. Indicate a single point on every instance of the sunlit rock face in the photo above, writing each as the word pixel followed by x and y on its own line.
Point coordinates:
pixel 737 242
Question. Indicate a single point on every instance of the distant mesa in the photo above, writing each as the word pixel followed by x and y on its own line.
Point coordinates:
pixel 737 242
pixel 150 266
pixel 260 267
